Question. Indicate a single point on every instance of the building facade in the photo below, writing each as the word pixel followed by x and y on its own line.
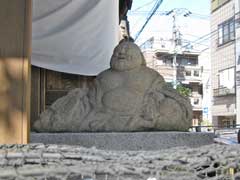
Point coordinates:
pixel 237 28
pixel 223 60
pixel 159 56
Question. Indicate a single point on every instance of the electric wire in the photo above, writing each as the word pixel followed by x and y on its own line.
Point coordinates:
pixel 144 5
pixel 152 12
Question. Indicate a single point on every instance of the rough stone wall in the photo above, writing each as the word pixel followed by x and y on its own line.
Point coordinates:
pixel 55 162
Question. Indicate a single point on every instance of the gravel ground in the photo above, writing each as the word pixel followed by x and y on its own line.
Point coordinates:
pixel 61 162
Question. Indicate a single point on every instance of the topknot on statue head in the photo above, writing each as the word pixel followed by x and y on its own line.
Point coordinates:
pixel 127 56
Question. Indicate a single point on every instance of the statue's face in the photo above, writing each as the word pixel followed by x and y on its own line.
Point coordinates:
pixel 126 56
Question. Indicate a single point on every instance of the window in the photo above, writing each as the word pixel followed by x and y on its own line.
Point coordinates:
pixel 196 73
pixel 187 61
pixel 220 35
pixel 231 30
pixel 226 124
pixel 200 90
pixel 184 62
pixel 188 73
pixel 226 78
pixel 167 62
pixel 195 101
pixel 226 31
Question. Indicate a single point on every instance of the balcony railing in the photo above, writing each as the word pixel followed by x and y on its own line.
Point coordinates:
pixel 223 91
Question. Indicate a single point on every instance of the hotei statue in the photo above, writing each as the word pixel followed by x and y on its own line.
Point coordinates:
pixel 127 97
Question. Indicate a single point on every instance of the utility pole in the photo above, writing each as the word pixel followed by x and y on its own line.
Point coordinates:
pixel 176 37
pixel 175 43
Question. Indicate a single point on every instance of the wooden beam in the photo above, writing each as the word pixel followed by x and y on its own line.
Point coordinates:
pixel 15 43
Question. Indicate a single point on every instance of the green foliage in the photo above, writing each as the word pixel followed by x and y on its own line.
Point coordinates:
pixel 183 90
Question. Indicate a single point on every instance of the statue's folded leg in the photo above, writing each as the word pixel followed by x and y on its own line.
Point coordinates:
pixel 168 109
pixel 65 114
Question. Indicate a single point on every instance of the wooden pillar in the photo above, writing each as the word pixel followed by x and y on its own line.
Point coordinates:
pixel 15 43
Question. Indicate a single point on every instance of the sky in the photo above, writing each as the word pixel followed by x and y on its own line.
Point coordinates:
pixel 160 26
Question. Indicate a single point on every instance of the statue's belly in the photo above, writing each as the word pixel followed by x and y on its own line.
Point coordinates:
pixel 122 100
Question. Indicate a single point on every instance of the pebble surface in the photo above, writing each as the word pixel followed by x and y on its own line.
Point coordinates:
pixel 64 162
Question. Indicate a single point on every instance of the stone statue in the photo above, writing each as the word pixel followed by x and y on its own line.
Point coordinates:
pixel 125 98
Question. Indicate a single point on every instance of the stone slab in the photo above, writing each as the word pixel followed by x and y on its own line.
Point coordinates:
pixel 126 141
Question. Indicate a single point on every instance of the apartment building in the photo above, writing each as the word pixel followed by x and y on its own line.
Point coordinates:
pixel 237 33
pixel 159 56
pixel 223 62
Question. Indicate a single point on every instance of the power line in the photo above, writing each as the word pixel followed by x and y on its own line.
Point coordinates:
pixel 184 40
pixel 145 12
pixel 192 35
pixel 196 41
pixel 168 55
pixel 164 12
pixel 202 38
pixel 205 37
pixel 199 39
pixel 129 12
pixel 188 41
pixel 204 50
pixel 156 5
pixel 144 5
pixel 154 9
pixel 203 15
pixel 180 10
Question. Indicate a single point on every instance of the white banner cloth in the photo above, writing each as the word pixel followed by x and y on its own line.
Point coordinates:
pixel 74 36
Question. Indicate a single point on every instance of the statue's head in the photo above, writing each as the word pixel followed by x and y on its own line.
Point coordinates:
pixel 127 56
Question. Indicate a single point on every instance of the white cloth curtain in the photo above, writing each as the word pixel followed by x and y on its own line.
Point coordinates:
pixel 74 36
